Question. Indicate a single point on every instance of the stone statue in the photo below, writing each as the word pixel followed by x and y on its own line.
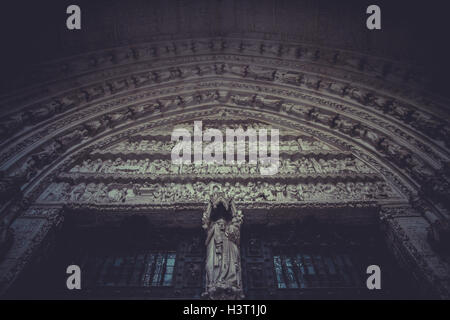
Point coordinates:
pixel 222 223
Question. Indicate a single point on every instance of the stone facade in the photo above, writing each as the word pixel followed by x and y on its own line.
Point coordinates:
pixel 355 136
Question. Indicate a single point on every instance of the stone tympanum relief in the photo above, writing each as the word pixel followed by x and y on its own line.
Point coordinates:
pixel 139 171
pixel 222 222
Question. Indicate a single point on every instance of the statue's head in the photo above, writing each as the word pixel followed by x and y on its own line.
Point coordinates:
pixel 221 223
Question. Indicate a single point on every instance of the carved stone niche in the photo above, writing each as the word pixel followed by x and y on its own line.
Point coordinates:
pixel 222 223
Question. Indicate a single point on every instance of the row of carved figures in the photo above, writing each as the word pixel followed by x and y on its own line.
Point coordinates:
pixel 418 119
pixel 299 144
pixel 121 55
pixel 50 152
pixel 199 191
pixel 162 167
pixel 396 152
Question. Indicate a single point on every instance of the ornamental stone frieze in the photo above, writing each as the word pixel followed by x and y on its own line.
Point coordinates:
pixel 302 166
pixel 160 193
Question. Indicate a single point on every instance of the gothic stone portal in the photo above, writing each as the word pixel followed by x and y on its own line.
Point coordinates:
pixel 222 223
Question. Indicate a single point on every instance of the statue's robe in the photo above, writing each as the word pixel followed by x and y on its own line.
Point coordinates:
pixel 222 265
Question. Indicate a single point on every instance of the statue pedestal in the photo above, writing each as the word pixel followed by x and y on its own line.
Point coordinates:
pixel 223 291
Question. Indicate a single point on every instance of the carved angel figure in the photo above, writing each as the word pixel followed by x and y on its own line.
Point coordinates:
pixel 222 223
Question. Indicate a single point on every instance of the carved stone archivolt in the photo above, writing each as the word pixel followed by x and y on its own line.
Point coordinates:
pixel 396 153
pixel 364 69
pixel 258 101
